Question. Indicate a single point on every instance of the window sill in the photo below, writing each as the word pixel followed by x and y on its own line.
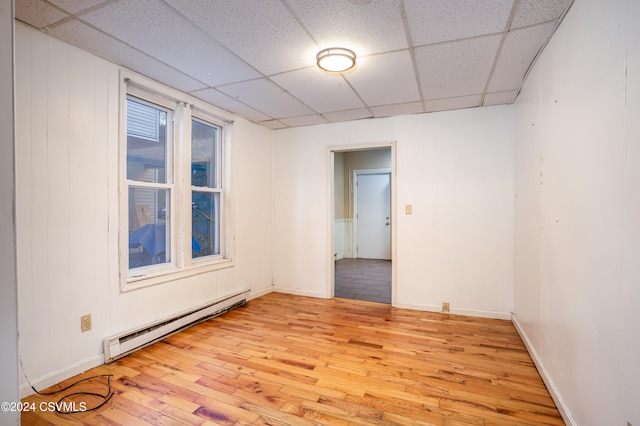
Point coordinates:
pixel 164 276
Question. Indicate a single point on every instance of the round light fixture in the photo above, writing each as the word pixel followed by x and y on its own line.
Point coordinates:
pixel 336 59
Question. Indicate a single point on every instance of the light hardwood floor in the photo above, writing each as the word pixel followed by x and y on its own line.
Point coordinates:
pixel 291 360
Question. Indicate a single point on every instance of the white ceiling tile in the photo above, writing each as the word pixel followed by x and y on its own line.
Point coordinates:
pixel 397 109
pixel 256 58
pixel 500 98
pixel 269 38
pixel 75 6
pixel 266 97
pixel 453 103
pixel 531 12
pixel 306 120
pixel 321 91
pixel 435 21
pixel 273 124
pixel 456 68
pixel 37 13
pixel 385 79
pixel 87 38
pixel 354 114
pixel 365 27
pixel 518 51
pixel 151 26
pixel 223 101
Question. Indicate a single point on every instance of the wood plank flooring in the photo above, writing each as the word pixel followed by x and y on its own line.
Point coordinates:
pixel 291 360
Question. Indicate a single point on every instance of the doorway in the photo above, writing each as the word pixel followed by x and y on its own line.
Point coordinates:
pixel 362 200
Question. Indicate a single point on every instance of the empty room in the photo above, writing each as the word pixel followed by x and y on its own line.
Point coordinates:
pixel 302 212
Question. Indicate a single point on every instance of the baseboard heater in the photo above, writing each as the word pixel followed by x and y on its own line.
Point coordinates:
pixel 123 344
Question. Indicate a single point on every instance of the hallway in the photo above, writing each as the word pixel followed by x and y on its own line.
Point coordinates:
pixel 363 279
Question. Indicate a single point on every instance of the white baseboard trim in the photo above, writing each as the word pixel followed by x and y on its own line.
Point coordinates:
pixel 255 294
pixel 457 311
pixel 58 376
pixel 299 292
pixel 553 391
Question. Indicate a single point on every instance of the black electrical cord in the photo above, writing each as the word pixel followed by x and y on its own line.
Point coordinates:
pixel 58 405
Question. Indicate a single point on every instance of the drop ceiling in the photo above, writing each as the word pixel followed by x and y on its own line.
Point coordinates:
pixel 256 58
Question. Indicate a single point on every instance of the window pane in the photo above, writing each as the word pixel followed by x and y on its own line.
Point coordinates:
pixel 146 142
pixel 205 209
pixel 149 226
pixel 204 138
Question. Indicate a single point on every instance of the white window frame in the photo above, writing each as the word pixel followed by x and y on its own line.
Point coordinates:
pixel 185 109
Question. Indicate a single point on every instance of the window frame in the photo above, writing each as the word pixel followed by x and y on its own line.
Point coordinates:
pixel 198 115
pixel 185 109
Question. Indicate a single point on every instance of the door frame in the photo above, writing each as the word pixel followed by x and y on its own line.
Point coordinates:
pixel 356 174
pixel 330 290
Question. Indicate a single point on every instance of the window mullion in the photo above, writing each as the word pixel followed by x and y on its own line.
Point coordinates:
pixel 183 183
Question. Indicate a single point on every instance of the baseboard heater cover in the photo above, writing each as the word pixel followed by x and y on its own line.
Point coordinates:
pixel 123 344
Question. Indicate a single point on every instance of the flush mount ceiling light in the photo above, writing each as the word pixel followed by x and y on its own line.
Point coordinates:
pixel 336 59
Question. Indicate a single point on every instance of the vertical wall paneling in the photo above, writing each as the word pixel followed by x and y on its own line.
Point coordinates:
pixel 37 167
pixel 57 214
pixel 68 200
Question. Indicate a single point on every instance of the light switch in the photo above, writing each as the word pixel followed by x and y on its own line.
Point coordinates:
pixel 407 209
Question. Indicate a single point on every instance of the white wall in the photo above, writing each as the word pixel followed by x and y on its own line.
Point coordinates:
pixel 577 220
pixel 8 288
pixel 454 168
pixel 67 209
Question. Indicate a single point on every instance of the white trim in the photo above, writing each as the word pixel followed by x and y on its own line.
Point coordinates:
pixel 330 213
pixel 544 374
pixel 298 292
pixel 160 276
pixel 256 294
pixel 457 311
pixel 58 376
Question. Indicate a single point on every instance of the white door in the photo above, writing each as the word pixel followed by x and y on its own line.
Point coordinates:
pixel 373 220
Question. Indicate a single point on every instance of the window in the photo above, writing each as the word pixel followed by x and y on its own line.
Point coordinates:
pixel 175 174
pixel 205 191
pixel 149 181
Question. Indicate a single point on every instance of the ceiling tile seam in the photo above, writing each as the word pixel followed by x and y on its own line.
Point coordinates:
pixel 505 33
pixel 74 16
pixel 544 45
pixel 366 105
pixel 455 97
pixel 299 21
pixel 476 37
pixel 197 27
pixel 405 26
pixel 193 92
pixel 204 85
pixel 253 107
pixel 210 37
pixel 305 29
pixel 498 92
